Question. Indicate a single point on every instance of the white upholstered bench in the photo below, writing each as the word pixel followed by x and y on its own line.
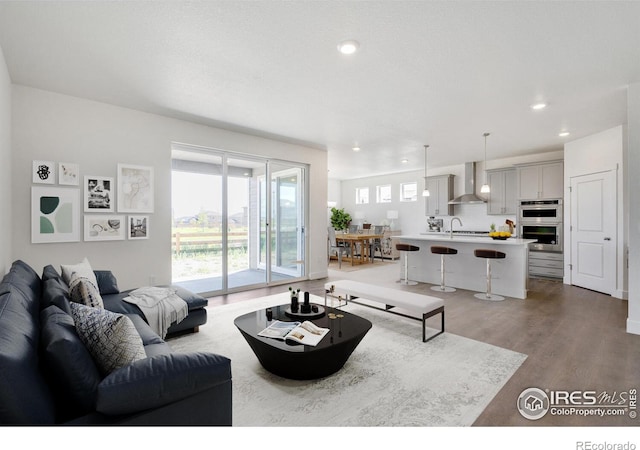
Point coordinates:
pixel 424 306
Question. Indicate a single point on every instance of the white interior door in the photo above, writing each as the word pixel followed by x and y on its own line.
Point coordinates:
pixel 593 231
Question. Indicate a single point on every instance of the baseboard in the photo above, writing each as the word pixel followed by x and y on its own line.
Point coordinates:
pixel 633 326
pixel 318 275
pixel 621 294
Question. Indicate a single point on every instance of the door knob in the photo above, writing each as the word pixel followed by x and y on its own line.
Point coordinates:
pixel 607 239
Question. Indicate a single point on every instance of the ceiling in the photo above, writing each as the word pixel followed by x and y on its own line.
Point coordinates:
pixel 427 72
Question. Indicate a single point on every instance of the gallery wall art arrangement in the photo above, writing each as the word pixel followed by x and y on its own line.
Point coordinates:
pixel 55 210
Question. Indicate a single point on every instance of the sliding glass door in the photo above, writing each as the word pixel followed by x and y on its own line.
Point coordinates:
pixel 197 244
pixel 228 222
pixel 242 223
pixel 287 236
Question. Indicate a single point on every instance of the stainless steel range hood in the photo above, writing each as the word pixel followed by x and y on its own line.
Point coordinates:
pixel 469 196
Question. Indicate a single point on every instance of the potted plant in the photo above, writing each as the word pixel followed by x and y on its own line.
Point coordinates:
pixel 340 220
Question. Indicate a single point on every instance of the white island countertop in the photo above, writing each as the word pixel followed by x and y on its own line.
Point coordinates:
pixel 466 271
pixel 464 238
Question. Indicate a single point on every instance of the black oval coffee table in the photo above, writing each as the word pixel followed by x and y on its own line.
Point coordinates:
pixel 304 362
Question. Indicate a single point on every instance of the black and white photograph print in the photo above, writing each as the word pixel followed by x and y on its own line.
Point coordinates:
pixel 103 227
pixel 44 172
pixel 98 194
pixel 138 227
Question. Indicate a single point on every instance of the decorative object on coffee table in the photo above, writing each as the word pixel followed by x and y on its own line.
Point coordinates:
pixel 306 306
pixel 294 299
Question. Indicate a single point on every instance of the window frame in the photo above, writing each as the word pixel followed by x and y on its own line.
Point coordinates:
pixel 413 198
pixel 360 197
pixel 379 198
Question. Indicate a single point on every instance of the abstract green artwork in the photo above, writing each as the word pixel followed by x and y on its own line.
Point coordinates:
pixel 55 214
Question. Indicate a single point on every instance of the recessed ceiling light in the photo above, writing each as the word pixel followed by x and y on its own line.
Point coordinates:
pixel 348 47
pixel 404 161
pixel 563 134
pixel 356 149
pixel 537 106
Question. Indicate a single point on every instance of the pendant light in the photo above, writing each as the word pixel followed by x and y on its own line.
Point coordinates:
pixel 425 193
pixel 485 189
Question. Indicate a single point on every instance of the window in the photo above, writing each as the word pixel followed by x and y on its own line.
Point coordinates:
pixel 362 196
pixel 383 194
pixel 409 192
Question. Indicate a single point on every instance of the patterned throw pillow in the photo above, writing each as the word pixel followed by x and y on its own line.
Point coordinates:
pixel 84 291
pixel 111 338
pixel 82 269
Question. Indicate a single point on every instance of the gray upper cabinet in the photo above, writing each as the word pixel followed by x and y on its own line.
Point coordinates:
pixel 540 181
pixel 441 191
pixel 502 198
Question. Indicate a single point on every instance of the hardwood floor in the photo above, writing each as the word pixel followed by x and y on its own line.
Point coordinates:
pixel 575 340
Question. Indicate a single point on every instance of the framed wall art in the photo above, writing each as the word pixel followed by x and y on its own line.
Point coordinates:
pixel 104 227
pixel 68 174
pixel 98 194
pixel 138 227
pixel 135 188
pixel 55 214
pixel 44 172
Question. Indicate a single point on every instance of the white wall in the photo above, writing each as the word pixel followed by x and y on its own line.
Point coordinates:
pixel 5 166
pixel 98 136
pixel 412 217
pixel 597 153
pixel 633 189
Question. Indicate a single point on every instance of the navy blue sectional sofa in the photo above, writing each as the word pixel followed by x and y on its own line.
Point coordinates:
pixel 48 377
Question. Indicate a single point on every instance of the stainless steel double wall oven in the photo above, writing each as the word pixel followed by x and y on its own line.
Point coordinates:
pixel 542 220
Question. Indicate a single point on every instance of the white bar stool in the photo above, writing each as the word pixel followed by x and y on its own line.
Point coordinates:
pixel 442 251
pixel 405 249
pixel 489 255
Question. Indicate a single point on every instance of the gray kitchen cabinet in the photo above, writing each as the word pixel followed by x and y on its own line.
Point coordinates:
pixel 441 191
pixel 502 198
pixel 540 181
pixel 546 264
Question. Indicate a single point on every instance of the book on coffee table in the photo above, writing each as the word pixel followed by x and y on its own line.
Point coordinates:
pixel 305 333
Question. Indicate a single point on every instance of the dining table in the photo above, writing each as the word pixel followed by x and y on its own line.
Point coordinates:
pixel 364 239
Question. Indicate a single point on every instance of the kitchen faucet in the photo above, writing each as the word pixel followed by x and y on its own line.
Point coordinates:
pixel 451 225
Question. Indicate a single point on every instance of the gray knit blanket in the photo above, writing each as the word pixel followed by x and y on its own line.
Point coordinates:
pixel 161 307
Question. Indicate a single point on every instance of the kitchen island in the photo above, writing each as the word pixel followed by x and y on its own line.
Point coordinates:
pixel 509 276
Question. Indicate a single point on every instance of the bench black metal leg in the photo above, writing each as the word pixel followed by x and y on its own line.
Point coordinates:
pixel 424 324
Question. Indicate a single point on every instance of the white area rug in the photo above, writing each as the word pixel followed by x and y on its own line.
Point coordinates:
pixel 391 379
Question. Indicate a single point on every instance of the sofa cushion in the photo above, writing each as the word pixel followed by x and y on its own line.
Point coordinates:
pixel 153 344
pixel 70 368
pixel 28 282
pixel 49 272
pixel 111 338
pixel 82 290
pixel 26 398
pixel 107 283
pixel 55 292
pixel 82 269
pixel 161 380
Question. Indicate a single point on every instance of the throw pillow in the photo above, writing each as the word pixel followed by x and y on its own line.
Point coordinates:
pixel 107 283
pixel 111 338
pixel 82 269
pixel 84 291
